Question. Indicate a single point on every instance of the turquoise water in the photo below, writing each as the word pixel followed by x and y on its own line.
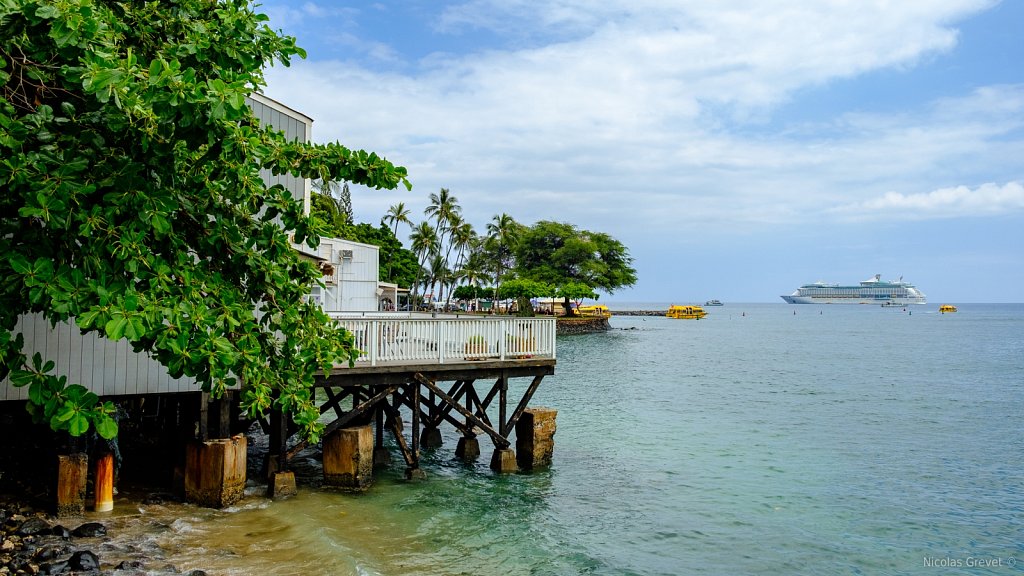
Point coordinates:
pixel 763 439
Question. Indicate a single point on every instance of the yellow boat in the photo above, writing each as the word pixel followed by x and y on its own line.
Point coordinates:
pixel 947 308
pixel 595 311
pixel 686 312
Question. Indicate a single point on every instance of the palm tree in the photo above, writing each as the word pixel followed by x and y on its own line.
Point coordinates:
pixel 474 274
pixel 340 198
pixel 439 274
pixel 396 215
pixel 445 210
pixel 462 237
pixel 424 243
pixel 502 230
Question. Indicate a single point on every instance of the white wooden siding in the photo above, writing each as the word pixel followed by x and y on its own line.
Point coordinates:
pixel 104 367
pixel 353 287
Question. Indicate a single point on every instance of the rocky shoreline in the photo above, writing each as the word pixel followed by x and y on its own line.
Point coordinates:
pixel 34 544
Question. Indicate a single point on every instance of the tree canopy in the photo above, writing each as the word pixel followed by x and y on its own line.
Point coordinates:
pixel 132 203
pixel 560 254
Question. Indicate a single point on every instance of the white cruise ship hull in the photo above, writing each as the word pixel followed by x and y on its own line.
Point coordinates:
pixel 873 291
pixel 793 299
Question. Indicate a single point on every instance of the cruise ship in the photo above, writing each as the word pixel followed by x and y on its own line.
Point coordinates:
pixel 872 291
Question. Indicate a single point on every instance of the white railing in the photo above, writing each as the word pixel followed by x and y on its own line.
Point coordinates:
pixel 447 339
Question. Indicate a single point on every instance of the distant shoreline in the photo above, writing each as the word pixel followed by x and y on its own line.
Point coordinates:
pixel 637 312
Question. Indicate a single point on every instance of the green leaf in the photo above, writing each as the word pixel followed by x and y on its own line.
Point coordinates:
pixel 78 425
pixel 115 328
pixel 106 427
pixel 20 378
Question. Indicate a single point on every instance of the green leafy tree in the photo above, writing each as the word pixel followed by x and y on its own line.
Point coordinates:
pixel 561 254
pixel 576 291
pixel 522 290
pixel 132 203
pixel 471 292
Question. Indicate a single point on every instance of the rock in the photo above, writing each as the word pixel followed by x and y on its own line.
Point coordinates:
pixel 129 565
pixel 23 565
pixel 90 530
pixel 33 526
pixel 59 567
pixel 160 498
pixel 8 545
pixel 84 560
pixel 196 573
pixel 52 551
pixel 61 531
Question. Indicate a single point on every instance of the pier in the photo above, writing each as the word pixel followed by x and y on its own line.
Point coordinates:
pixel 415 373
pixel 453 370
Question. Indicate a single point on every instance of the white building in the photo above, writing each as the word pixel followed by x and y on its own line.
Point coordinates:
pixel 351 272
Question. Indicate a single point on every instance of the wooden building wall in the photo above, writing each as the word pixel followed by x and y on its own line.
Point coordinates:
pixel 104 367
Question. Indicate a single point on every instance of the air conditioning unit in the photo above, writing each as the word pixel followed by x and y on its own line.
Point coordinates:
pixel 345 254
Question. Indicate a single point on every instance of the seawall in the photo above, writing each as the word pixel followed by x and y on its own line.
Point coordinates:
pixel 582 325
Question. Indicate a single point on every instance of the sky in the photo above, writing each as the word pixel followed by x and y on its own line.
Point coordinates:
pixel 737 148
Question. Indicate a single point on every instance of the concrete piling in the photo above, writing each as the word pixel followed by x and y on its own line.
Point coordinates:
pixel 215 471
pixel 348 457
pixel 535 432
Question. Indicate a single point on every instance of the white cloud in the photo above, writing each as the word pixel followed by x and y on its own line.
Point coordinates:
pixel 627 118
pixel 959 201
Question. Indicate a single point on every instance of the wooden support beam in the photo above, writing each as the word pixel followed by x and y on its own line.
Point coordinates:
pixel 103 484
pixel 277 457
pixel 481 408
pixel 204 417
pixel 396 427
pixel 457 391
pixel 530 390
pixel 414 400
pixel 72 474
pixel 499 440
pixel 334 401
pixel 490 395
pixel 502 402
pixel 346 418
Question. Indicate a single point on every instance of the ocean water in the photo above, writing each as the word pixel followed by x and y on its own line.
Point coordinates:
pixel 763 439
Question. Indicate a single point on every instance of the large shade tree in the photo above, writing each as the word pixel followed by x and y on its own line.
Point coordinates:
pixel 132 203
pixel 563 255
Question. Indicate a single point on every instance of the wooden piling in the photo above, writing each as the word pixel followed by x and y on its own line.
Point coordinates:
pixel 72 473
pixel 103 484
